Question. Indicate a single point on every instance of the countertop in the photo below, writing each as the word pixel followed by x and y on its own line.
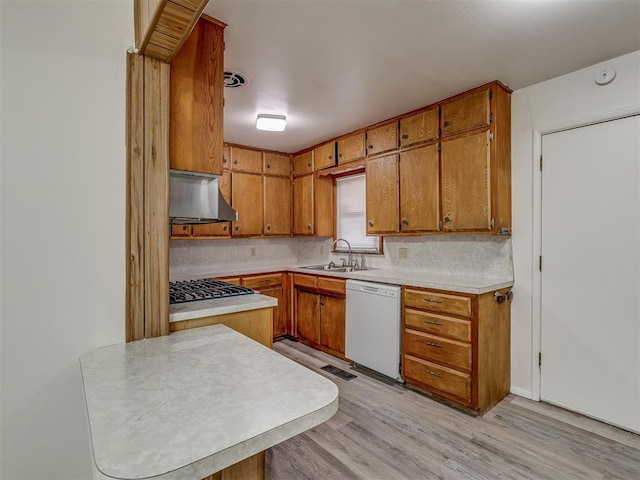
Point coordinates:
pixel 189 404
pixel 219 306
pixel 472 284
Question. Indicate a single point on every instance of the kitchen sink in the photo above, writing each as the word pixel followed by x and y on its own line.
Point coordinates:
pixel 335 268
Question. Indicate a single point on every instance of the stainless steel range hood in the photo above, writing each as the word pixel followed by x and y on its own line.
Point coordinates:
pixel 194 198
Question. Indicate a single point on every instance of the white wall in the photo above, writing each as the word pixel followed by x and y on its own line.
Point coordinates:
pixel 569 100
pixel 62 216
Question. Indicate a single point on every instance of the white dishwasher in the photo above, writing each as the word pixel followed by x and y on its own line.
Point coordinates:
pixel 373 326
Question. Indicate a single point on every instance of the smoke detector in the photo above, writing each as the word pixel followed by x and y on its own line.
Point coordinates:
pixel 234 79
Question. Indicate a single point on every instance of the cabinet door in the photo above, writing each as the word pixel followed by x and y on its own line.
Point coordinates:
pixel 332 317
pixel 382 138
pixel 303 205
pixel 181 231
pixel 382 194
pixel 325 155
pixel 195 118
pixel 466 113
pixel 279 322
pixel 246 160
pixel 465 183
pixel 226 157
pixel 419 190
pixel 323 206
pixel 277 164
pixel 308 315
pixel 351 148
pixel 303 163
pixel 420 127
pixel 220 229
pixel 277 205
pixel 246 198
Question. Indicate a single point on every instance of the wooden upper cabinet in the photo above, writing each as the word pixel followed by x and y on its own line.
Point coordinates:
pixel 323 198
pixel 382 195
pixel 467 112
pixel 382 138
pixel 219 229
pixel 303 205
pixel 246 198
pixel 277 164
pixel 226 157
pixel 419 127
pixel 325 155
pixel 246 160
pixel 466 193
pixel 303 163
pixel 195 125
pixel 419 192
pixel 351 148
pixel 277 205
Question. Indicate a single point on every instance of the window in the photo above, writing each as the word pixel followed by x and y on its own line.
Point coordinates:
pixel 350 215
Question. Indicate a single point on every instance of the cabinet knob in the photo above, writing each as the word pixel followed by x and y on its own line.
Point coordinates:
pixel 309 165
pixel 268 165
pixel 224 160
pixel 224 229
pixel 405 136
pixel 370 146
pixel 237 227
pixel 268 227
pixel 330 157
pixel 235 162
pixel 370 222
pixel 447 219
pixel 308 226
pixel 405 221
pixel 340 155
pixel 445 123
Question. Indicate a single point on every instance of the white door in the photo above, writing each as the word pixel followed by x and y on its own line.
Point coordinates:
pixel 591 271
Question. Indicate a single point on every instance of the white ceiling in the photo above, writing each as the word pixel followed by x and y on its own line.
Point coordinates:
pixel 332 66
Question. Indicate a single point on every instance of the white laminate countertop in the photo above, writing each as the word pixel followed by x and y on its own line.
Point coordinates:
pixel 189 404
pixel 454 282
pixel 219 306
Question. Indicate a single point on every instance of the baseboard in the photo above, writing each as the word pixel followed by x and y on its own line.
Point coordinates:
pixel 521 392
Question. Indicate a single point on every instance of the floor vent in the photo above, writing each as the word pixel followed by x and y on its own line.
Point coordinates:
pixel 338 372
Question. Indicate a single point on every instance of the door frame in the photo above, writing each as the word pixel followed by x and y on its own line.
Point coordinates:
pixel 536 274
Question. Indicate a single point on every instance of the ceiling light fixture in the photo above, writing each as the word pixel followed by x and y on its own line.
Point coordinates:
pixel 271 123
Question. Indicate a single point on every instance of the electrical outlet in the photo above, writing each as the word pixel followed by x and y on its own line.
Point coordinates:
pixel 321 249
pixel 252 251
pixel 402 252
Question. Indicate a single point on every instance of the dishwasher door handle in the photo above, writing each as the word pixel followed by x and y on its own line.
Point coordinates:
pixel 370 289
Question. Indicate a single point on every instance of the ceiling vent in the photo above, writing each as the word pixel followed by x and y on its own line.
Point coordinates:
pixel 234 79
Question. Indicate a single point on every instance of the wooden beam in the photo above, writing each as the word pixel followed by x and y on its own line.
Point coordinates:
pixel 162 26
pixel 135 200
pixel 156 197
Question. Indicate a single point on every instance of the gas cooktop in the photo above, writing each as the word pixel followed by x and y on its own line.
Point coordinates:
pixel 203 289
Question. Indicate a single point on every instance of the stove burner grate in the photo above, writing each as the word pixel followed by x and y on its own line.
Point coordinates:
pixel 203 289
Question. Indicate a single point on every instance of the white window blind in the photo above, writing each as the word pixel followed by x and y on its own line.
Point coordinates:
pixel 351 211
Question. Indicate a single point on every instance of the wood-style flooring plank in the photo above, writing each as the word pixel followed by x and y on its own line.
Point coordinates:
pixel 384 431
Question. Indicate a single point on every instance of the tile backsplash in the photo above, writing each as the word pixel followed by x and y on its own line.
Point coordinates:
pixel 484 255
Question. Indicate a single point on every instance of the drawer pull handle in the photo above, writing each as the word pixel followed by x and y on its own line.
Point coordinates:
pixel 432 322
pixel 435 374
pixel 433 344
pixel 264 282
pixel 432 300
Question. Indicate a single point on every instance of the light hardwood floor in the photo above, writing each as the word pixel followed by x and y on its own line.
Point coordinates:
pixel 387 432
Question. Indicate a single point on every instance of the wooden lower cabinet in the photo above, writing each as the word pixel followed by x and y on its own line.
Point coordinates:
pixel 320 313
pixel 273 285
pixel 456 346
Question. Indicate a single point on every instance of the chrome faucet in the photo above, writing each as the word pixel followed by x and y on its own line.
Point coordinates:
pixel 348 245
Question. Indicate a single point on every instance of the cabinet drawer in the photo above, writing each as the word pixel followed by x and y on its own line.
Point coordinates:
pixel 232 280
pixel 277 164
pixel 429 347
pixel 301 280
pixel 437 377
pixel 331 284
pixel 262 280
pixel 438 302
pixel 438 324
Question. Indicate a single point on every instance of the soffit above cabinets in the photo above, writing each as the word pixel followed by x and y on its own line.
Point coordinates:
pixel 332 66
